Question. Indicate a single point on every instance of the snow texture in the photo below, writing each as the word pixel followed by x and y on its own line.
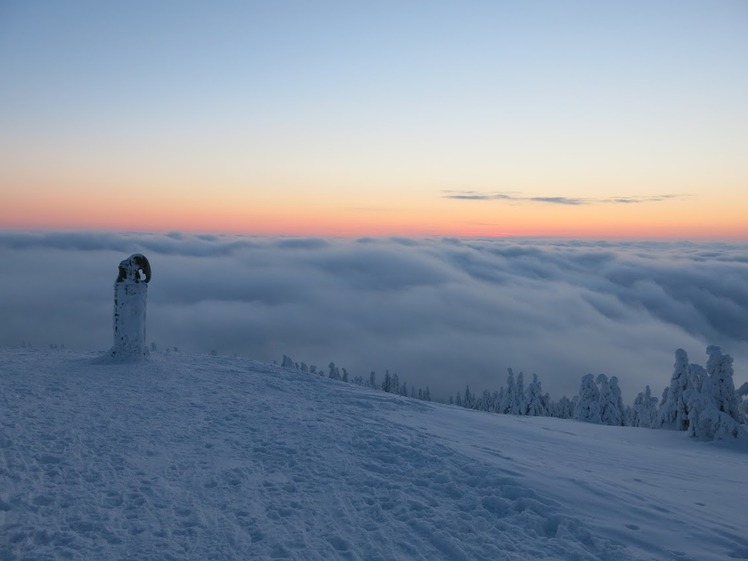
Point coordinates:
pixel 208 457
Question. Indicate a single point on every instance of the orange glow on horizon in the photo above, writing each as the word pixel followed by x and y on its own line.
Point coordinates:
pixel 335 225
pixel 427 214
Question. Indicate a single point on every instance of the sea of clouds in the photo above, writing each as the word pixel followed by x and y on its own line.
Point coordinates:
pixel 439 312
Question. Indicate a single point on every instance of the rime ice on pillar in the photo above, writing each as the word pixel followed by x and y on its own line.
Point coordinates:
pixel 130 295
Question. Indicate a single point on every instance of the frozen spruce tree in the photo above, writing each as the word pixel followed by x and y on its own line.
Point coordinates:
pixel 537 402
pixel 563 408
pixel 713 405
pixel 588 404
pixel 489 400
pixel 644 411
pixel 499 400
pixel 288 362
pixel 743 396
pixel 706 421
pixel 333 371
pixel 628 415
pixel 387 383
pixel 719 369
pixel 505 404
pixel 519 401
pixel 469 400
pixel 674 407
pixel 611 402
pixel 395 387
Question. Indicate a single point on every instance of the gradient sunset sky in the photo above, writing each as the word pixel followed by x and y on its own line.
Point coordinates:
pixel 576 119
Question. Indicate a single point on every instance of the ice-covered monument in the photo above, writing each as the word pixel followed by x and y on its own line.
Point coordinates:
pixel 130 296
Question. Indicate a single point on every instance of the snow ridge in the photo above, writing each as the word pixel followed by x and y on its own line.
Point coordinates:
pixel 200 457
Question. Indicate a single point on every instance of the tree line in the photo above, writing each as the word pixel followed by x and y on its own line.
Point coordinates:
pixel 700 400
pixel 390 384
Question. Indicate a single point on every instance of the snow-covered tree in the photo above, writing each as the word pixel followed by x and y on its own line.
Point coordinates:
pixel 743 395
pixel 720 371
pixel 288 362
pixel 706 421
pixel 563 408
pixel 395 384
pixel 505 406
pixel 674 407
pixel 588 406
pixel 481 401
pixel 387 383
pixel 663 400
pixel 513 400
pixel 488 401
pixel 644 412
pixel 628 415
pixel 468 400
pixel 712 404
pixel 537 402
pixel 333 372
pixel 372 379
pixel 499 400
pixel 519 401
pixel 611 403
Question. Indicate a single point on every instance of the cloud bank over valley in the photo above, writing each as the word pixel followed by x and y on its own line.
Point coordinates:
pixel 439 312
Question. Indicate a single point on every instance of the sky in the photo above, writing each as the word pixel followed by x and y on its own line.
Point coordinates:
pixel 578 119
pixel 439 312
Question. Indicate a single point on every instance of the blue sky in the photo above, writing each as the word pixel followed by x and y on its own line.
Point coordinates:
pixel 347 108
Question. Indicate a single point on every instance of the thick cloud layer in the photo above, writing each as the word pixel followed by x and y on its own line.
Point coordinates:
pixel 442 313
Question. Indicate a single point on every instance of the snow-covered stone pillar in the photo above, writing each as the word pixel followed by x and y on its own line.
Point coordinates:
pixel 130 295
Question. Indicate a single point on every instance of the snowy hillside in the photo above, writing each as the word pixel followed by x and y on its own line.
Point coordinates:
pixel 201 457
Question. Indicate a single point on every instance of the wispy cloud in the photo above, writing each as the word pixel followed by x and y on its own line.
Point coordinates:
pixel 559 200
pixel 515 197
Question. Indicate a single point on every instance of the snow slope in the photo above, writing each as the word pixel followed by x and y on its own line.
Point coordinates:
pixel 200 457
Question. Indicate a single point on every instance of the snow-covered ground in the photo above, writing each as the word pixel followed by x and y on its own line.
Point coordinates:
pixel 201 457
